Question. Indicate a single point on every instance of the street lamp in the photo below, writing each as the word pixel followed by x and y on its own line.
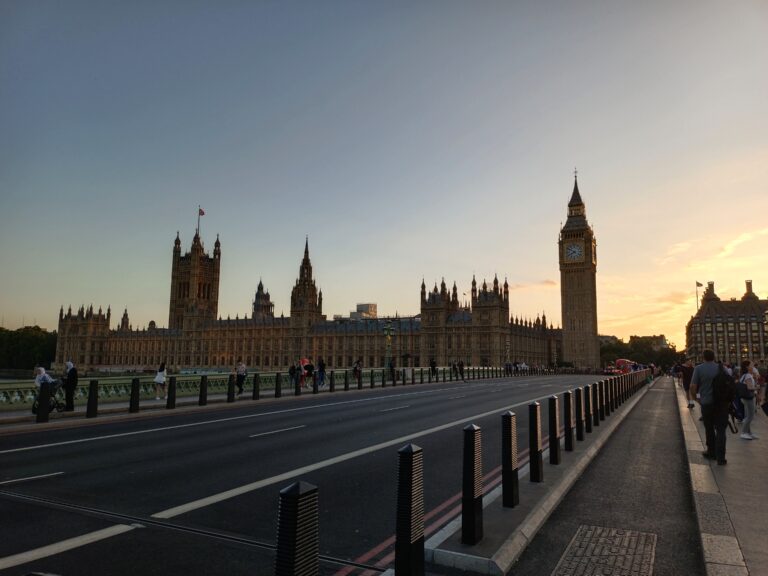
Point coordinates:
pixel 389 331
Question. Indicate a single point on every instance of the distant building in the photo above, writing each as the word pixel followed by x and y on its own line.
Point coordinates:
pixel 364 311
pixel 656 342
pixel 609 340
pixel 734 329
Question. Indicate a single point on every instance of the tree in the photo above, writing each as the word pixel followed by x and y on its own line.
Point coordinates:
pixel 26 348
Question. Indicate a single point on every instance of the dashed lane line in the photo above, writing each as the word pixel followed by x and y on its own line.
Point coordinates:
pixel 277 431
pixel 4 482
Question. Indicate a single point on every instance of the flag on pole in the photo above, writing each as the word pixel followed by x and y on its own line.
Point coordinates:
pixel 201 212
pixel 699 284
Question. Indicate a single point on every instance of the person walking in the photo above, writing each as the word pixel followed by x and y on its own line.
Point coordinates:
pixel 686 373
pixel 357 371
pixel 746 391
pixel 70 386
pixel 241 373
pixel 292 375
pixel 714 414
pixel 321 372
pixel 160 381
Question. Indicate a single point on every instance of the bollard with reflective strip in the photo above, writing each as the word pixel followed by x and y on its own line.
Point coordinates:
pixel 256 387
pixel 568 421
pixel 297 551
pixel 202 399
pixel 409 526
pixel 534 442
pixel 554 431
pixel 588 408
pixel 170 403
pixel 472 486
pixel 510 480
pixel 278 385
pixel 133 405
pixel 579 398
pixel 231 388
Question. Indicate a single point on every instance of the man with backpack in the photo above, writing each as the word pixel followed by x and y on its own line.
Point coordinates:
pixel 715 393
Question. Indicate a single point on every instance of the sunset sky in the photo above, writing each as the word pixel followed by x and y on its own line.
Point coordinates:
pixel 407 139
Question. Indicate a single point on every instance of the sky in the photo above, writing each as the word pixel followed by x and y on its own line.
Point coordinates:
pixel 406 140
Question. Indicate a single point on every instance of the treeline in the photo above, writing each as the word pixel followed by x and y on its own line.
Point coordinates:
pixel 641 352
pixel 26 348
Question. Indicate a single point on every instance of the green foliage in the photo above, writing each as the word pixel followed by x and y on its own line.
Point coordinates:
pixel 26 348
pixel 641 352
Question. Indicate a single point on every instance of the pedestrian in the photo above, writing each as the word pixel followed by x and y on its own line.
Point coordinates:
pixel 160 381
pixel 309 372
pixel 461 369
pixel 321 372
pixel 357 371
pixel 241 373
pixel 714 414
pixel 686 373
pixel 292 374
pixel 70 386
pixel 433 368
pixel 746 391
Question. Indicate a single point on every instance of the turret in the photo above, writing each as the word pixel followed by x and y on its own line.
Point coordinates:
pixel 423 291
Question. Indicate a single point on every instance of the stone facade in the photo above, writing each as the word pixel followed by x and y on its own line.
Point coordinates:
pixel 478 333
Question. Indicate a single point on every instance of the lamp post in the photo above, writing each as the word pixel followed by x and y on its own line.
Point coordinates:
pixel 389 331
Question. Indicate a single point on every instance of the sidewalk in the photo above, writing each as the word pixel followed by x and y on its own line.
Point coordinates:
pixel 731 501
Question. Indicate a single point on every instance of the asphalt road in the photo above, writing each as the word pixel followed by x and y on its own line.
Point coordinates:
pixel 198 493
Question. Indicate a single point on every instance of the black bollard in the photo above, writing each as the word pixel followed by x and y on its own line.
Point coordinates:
pixel 510 481
pixel 315 389
pixel 568 423
pixel 278 385
pixel 588 408
pixel 383 378
pixel 170 402
pixel 601 398
pixel 360 380
pixel 579 398
pixel 44 403
pixel 534 442
pixel 429 376
pixel 409 526
pixel 231 388
pixel 472 487
pixel 373 378
pixel 92 410
pixel 256 387
pixel 554 431
pixel 133 406
pixel 346 380
pixel 332 384
pixel 421 375
pixel 202 399
pixel 298 548
pixel 595 404
pixel 297 386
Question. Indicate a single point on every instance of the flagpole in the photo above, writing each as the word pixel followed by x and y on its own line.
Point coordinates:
pixel 198 220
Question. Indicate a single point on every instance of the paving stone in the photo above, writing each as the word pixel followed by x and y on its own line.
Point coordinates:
pixel 599 551
pixel 713 514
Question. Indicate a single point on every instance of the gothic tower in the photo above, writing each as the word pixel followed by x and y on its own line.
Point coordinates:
pixel 578 292
pixel 306 306
pixel 194 284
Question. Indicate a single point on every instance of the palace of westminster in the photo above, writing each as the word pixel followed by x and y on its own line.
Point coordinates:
pixel 480 333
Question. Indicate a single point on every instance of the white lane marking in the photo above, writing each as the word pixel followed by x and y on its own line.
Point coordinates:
pixel 219 420
pixel 30 478
pixel 63 546
pixel 240 490
pixel 277 431
pixel 395 408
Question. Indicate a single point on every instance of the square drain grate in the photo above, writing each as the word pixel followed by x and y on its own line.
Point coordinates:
pixel 598 551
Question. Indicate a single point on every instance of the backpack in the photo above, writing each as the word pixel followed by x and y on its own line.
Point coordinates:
pixel 737 409
pixel 723 388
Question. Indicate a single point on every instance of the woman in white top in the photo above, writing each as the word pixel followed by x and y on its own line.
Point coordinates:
pixel 747 387
pixel 160 381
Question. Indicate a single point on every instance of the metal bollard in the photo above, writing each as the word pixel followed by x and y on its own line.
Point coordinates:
pixel 231 388
pixel 568 422
pixel 256 387
pixel 92 410
pixel 332 383
pixel 170 403
pixel 133 405
pixel 429 376
pixel 278 385
pixel 360 380
pixel 534 442
pixel 413 376
pixel 444 380
pixel 383 378
pixel 346 380
pixel 595 404
pixel 202 399
pixel 472 487
pixel 315 389
pixel 588 408
pixel 373 378
pixel 44 403
pixel 409 526
pixel 510 480
pixel 601 398
pixel 298 548
pixel 554 431
pixel 421 375
pixel 297 386
pixel 579 397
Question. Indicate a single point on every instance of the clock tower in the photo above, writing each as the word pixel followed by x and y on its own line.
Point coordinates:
pixel 578 292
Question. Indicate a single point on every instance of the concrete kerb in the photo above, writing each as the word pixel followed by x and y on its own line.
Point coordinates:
pixel 496 555
pixel 722 552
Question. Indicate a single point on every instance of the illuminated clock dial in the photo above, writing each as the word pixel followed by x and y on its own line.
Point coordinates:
pixel 574 252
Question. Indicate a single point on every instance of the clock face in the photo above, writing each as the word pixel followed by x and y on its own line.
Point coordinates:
pixel 574 252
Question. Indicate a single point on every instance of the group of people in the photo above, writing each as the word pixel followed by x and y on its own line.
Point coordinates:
pixel 303 373
pixel 717 388
pixel 68 382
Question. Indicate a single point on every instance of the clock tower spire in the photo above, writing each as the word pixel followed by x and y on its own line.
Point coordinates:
pixel 578 291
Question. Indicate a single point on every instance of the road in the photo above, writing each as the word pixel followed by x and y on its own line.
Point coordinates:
pixel 198 493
